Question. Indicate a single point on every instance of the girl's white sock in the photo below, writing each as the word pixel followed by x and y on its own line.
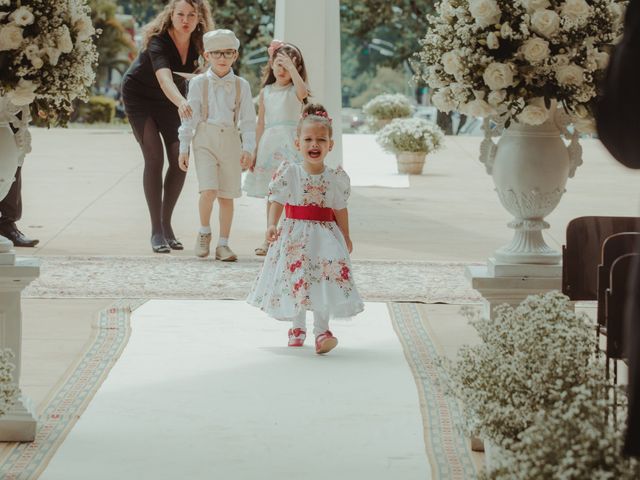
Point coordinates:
pixel 205 230
pixel 223 242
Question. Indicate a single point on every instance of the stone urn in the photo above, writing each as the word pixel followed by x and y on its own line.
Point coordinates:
pixel 530 166
pixel 411 162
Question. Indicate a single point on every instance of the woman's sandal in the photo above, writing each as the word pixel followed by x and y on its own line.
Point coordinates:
pixel 175 244
pixel 261 251
pixel 159 245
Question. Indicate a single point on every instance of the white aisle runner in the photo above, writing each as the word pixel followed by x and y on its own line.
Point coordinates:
pixel 209 390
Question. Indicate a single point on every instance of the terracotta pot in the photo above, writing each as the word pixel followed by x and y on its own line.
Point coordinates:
pixel 411 162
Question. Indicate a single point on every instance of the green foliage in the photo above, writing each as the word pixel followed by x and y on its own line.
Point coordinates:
pixel 366 86
pixel 114 44
pixel 98 109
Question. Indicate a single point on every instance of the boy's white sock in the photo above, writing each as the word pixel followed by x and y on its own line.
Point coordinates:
pixel 205 230
pixel 223 242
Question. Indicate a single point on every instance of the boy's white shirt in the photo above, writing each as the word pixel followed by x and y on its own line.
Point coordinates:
pixel 222 96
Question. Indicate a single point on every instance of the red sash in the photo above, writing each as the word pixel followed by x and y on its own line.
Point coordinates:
pixel 310 212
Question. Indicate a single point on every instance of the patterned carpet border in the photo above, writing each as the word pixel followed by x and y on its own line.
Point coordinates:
pixel 26 461
pixel 448 450
pixel 191 278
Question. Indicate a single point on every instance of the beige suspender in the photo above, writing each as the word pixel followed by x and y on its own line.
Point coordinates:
pixel 205 101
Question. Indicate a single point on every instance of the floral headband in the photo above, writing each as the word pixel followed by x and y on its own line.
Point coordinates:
pixel 318 113
pixel 273 46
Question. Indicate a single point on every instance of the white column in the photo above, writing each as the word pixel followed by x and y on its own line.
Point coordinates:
pixel 19 424
pixel 314 27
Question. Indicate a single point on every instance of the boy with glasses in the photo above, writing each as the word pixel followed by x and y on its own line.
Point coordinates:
pixel 223 111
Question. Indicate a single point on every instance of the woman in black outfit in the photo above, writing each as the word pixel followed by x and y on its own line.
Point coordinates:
pixel 154 100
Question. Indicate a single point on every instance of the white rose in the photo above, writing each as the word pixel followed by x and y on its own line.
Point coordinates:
pixel 561 59
pixel 602 60
pixel 452 63
pixel 22 16
pixel 532 5
pixel 10 37
pixel 442 100
pixel 535 50
pixel 533 114
pixel 498 76
pixel 485 12
pixel 570 75
pixel 545 22
pixel 576 10
pixel 65 44
pixel 478 108
pixel 497 97
pixel 492 41
pixel 23 94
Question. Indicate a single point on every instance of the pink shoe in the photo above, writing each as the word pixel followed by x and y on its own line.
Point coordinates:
pixel 296 337
pixel 325 342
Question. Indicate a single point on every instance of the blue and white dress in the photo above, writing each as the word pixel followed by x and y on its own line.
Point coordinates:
pixel 281 114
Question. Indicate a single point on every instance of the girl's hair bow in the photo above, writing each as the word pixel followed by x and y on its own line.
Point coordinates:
pixel 273 46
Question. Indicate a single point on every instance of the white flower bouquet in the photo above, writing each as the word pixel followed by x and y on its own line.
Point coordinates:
pixel 8 389
pixel 573 439
pixel 410 135
pixel 530 356
pixel 388 106
pixel 47 54
pixel 512 58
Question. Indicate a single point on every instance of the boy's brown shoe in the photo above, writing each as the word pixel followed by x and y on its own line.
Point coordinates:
pixel 225 254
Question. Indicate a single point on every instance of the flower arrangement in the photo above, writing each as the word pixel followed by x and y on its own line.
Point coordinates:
pixel 410 135
pixel 511 58
pixel 383 108
pixel 529 357
pixel 47 54
pixel 574 439
pixel 8 390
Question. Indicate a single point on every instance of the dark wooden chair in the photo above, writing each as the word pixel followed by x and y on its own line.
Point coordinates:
pixel 616 299
pixel 613 247
pixel 582 253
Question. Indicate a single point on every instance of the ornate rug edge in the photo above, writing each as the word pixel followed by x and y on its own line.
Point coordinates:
pixel 26 461
pixel 447 449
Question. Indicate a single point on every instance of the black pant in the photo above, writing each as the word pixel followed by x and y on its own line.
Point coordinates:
pixel 11 205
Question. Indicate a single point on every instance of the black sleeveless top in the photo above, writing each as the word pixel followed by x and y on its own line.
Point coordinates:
pixel 141 90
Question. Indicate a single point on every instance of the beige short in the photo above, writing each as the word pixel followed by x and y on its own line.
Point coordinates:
pixel 216 153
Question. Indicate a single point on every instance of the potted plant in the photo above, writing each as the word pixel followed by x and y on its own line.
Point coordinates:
pixel 382 109
pixel 410 139
pixel 529 357
pixel 574 438
pixel 533 67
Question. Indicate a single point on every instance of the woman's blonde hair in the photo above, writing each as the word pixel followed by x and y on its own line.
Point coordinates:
pixel 162 22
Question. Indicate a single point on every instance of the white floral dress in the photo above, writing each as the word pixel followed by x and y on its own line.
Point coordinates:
pixel 308 267
pixel 281 114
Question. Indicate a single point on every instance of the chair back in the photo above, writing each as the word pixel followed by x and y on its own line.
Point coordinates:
pixel 613 247
pixel 618 296
pixel 582 253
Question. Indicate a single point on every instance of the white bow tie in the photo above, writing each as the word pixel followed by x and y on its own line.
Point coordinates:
pixel 221 83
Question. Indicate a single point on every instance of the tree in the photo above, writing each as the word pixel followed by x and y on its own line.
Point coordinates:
pixel 115 45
